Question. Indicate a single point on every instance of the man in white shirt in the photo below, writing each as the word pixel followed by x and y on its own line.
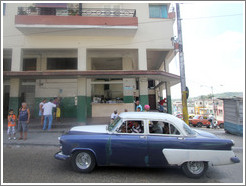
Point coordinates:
pixel 114 115
pixel 47 108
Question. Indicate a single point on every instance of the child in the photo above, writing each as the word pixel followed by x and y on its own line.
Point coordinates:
pixel 11 124
pixel 58 113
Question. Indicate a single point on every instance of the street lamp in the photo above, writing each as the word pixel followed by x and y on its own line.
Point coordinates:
pixel 212 89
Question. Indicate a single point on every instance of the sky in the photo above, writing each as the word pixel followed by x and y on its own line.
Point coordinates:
pixel 214 47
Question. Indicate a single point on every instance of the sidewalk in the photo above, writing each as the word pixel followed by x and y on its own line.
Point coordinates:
pixel 36 135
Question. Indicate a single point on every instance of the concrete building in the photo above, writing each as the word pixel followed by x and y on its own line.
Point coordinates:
pixel 96 57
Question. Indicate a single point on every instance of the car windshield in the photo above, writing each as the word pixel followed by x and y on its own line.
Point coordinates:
pixel 188 130
pixel 113 124
pixel 196 117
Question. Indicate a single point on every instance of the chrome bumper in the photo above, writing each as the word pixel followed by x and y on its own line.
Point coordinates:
pixel 61 156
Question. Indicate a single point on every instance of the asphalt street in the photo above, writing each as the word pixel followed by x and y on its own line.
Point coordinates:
pixel 24 162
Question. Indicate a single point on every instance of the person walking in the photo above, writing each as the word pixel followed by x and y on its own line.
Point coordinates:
pixel 41 104
pixel 24 118
pixel 47 107
pixel 211 120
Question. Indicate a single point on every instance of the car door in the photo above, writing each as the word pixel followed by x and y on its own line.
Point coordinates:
pixel 128 149
pixel 157 142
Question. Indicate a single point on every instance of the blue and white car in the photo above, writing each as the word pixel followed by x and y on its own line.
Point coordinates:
pixel 164 140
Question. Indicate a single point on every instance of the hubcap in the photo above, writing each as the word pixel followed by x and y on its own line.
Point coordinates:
pixel 83 160
pixel 195 167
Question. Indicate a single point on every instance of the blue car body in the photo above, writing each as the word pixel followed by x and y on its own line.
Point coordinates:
pixel 113 148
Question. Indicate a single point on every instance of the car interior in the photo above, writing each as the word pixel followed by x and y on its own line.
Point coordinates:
pixel 160 127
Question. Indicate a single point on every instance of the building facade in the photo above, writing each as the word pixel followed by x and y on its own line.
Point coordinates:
pixel 209 106
pixel 96 57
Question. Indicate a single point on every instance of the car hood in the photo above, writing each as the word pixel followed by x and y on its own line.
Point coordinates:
pixel 90 128
pixel 202 133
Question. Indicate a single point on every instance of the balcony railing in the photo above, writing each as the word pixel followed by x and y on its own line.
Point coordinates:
pixel 97 12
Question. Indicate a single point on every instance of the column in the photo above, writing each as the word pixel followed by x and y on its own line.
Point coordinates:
pixel 14 95
pixel 169 100
pixel 16 59
pixel 143 91
pixel 142 59
pixel 88 98
pixel 82 64
pixel 81 100
pixel 129 85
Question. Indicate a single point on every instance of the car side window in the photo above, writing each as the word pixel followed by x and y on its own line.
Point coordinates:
pixel 131 126
pixel 156 127
pixel 160 127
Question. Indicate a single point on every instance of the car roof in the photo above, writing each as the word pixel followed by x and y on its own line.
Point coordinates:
pixel 148 115
pixel 154 116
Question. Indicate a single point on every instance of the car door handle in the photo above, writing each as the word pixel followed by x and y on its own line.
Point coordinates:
pixel 143 137
pixel 180 138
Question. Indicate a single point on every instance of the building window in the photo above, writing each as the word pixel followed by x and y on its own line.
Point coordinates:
pixel 29 64
pixel 6 64
pixel 158 11
pixel 151 84
pixel 61 63
pixel 4 8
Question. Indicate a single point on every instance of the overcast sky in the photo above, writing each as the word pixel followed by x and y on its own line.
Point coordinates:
pixel 214 47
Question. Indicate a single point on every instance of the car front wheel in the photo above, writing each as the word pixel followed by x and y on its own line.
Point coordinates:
pixel 194 169
pixel 83 161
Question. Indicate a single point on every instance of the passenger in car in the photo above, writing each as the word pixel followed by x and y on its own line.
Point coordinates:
pixel 155 127
pixel 136 128
pixel 166 129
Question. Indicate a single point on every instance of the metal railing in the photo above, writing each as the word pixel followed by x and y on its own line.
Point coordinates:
pixel 99 12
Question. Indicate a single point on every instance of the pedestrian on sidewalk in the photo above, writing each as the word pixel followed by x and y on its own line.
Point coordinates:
pixel 146 108
pixel 114 115
pixel 24 117
pixel 41 104
pixel 11 124
pixel 48 113
pixel 58 113
pixel 138 106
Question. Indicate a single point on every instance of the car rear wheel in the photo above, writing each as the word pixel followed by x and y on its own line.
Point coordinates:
pixel 83 161
pixel 194 169
pixel 221 125
pixel 199 124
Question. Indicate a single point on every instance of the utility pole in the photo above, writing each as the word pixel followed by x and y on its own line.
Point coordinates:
pixel 182 68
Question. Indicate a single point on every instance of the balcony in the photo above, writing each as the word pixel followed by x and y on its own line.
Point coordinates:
pixel 31 20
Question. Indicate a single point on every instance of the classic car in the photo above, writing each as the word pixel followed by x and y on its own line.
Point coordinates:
pixel 144 139
pixel 199 121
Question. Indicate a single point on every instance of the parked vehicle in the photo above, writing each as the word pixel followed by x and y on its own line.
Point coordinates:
pixel 220 124
pixel 199 121
pixel 162 140
pixel 180 116
pixel 191 116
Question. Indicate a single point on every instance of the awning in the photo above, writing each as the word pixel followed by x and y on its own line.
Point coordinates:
pixel 67 74
pixel 51 5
